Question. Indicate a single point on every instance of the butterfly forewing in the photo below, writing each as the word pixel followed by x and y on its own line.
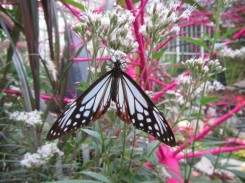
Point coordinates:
pixel 92 104
pixel 142 112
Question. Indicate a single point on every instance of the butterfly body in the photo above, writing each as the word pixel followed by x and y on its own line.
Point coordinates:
pixel 132 105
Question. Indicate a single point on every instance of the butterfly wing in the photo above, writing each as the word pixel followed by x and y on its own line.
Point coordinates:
pixel 92 104
pixel 134 105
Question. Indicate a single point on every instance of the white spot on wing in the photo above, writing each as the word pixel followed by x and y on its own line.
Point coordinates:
pixel 67 116
pixel 81 109
pixel 86 113
pixel 75 123
pixel 156 127
pixel 148 120
pixel 140 116
pixel 78 116
pixel 68 122
pixel 146 113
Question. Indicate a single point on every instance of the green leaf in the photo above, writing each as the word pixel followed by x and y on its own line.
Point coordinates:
pixel 75 4
pixel 84 86
pixel 205 100
pixel 229 32
pixel 92 133
pixel 97 176
pixel 197 115
pixel 196 41
pixel 159 54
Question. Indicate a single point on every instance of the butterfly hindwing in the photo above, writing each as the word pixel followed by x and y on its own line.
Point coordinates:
pixel 138 107
pixel 92 104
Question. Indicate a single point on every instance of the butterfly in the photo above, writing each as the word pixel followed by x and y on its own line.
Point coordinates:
pixel 132 106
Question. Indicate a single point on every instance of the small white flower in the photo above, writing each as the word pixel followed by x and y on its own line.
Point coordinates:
pixel 42 156
pixel 105 22
pixel 206 69
pixel 49 150
pixel 218 86
pixel 142 29
pixel 184 79
pixel 117 55
pixel 176 29
pixel 32 160
pixel 92 70
pixel 174 4
pixel 8 104
pixel 187 13
pixel 135 45
pixel 107 68
pixel 32 118
pixel 98 70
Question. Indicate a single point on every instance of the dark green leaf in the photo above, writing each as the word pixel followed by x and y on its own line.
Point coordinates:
pixel 196 41
pixel 93 133
pixel 159 54
pixel 205 100
pixel 197 115
pixel 97 176
pixel 75 4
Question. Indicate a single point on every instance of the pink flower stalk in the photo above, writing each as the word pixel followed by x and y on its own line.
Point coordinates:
pixel 73 10
pixel 239 34
pixel 157 81
pixel 166 157
pixel 212 151
pixel 45 97
pixel 161 45
pixel 164 90
pixel 139 38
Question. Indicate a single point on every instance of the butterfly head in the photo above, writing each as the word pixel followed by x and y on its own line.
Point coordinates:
pixel 117 57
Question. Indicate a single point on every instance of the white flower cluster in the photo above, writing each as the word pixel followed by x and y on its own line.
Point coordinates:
pixel 32 118
pixel 114 26
pixel 117 55
pixel 187 82
pixel 201 68
pixel 209 87
pixel 42 156
pixel 161 19
pixel 232 54
pixel 94 70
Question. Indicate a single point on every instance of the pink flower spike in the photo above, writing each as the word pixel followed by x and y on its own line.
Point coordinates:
pixel 166 157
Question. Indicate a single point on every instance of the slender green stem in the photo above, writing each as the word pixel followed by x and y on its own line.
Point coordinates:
pixel 131 154
pixel 124 147
pixel 195 134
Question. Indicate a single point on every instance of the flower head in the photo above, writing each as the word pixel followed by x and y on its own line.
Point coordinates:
pixel 43 155
pixel 32 118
